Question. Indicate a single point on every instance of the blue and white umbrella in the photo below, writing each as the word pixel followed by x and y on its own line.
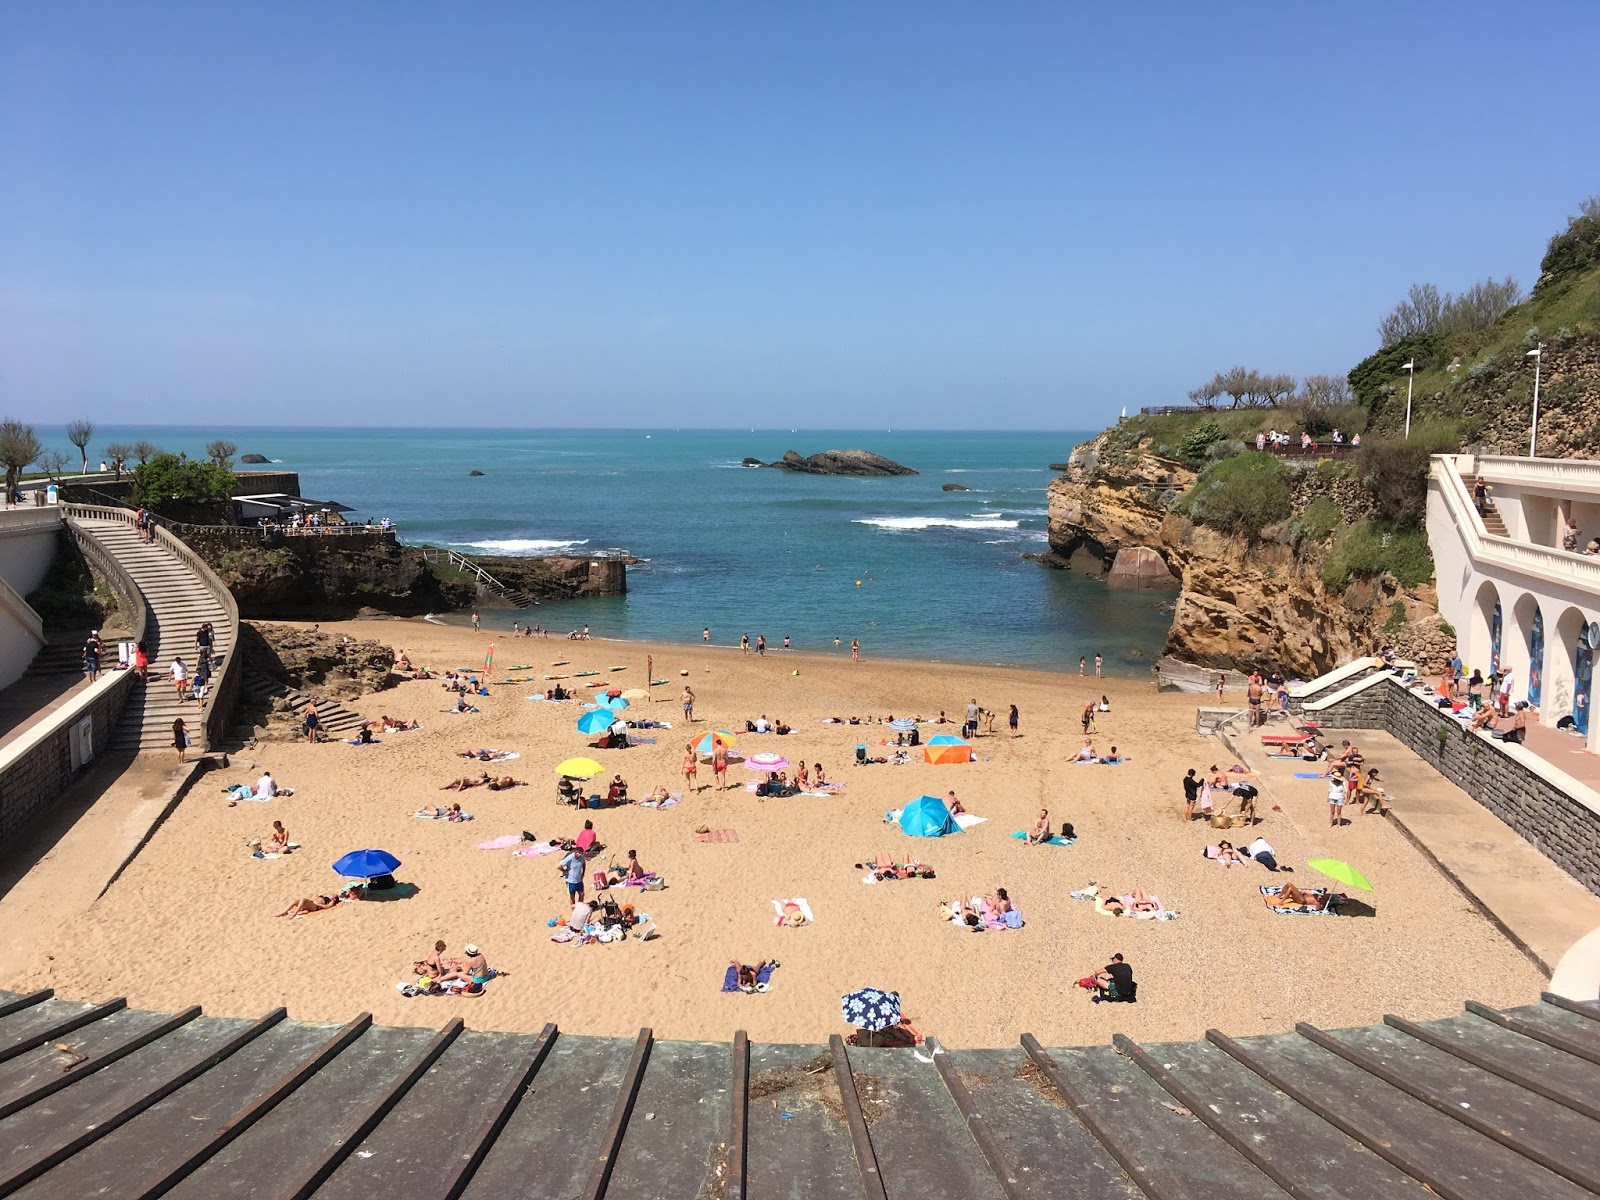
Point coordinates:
pixel 871 1008
pixel 903 724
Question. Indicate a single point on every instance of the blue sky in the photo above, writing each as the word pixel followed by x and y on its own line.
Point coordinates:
pixel 823 214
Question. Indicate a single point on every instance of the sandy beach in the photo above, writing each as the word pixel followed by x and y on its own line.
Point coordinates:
pixel 192 919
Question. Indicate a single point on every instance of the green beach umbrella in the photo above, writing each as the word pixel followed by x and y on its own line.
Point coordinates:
pixel 1341 871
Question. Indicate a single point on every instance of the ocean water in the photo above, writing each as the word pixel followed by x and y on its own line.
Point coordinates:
pixel 909 569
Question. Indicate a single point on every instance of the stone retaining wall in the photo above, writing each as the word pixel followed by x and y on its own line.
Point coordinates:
pixel 1562 828
pixel 41 769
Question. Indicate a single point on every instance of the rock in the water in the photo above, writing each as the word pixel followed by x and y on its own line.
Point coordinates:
pixel 752 462
pixel 254 458
pixel 954 487
pixel 474 474
pixel 1139 566
pixel 841 462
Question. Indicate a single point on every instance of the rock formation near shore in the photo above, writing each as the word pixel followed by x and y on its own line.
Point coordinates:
pixel 254 458
pixel 1242 603
pixel 954 487
pixel 836 462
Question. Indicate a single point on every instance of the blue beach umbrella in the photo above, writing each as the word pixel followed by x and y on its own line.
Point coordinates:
pixel 596 720
pixel 927 816
pixel 871 1008
pixel 945 739
pixel 366 864
pixel 614 703
pixel 903 724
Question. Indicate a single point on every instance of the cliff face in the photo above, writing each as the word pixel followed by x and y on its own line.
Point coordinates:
pixel 1242 604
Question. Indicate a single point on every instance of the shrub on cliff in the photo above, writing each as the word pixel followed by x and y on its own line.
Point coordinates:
pixel 1396 472
pixel 1192 448
pixel 1320 518
pixel 1574 249
pixel 1367 548
pixel 1241 495
pixel 171 482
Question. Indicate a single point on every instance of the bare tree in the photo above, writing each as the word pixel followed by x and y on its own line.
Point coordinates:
pixel 221 452
pixel 1480 306
pixel 1206 394
pixel 1274 389
pixel 52 463
pixel 79 433
pixel 118 454
pixel 1324 391
pixel 144 451
pixel 1236 382
pixel 19 447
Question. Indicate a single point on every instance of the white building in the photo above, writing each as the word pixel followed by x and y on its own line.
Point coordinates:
pixel 1516 597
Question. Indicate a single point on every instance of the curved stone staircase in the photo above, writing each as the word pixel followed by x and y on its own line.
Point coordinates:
pixel 179 594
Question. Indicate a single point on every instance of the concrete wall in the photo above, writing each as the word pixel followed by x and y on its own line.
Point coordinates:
pixel 1558 815
pixel 27 545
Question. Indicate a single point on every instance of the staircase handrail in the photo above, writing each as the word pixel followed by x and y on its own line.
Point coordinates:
pixel 129 595
pixel 225 689
pixel 463 563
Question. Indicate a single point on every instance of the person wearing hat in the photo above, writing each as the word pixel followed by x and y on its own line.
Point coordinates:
pixel 474 970
pixel 1336 797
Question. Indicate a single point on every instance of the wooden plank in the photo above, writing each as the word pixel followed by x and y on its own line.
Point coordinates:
pixel 860 1139
pixel 1051 1154
pixel 1004 1174
pixel 606 1156
pixel 739 1111
pixel 1507 1068
pixel 1527 1124
pixel 1426 1145
pixel 1156 1182
pixel 364 1119
pixel 37 1033
pixel 505 1103
pixel 543 1152
pixel 1584 1008
pixel 922 1141
pixel 114 1103
pixel 1538 1031
pixel 17 1003
pixel 51 1074
pixel 798 1141
pixel 676 1143
pixel 165 1180
pixel 1303 1155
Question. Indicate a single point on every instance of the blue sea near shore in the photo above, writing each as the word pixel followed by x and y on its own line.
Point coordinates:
pixel 941 574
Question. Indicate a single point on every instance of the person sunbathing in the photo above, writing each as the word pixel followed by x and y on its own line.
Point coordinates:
pixel 467 781
pixel 1483 718
pixel 779 728
pixel 953 804
pixel 802 777
pixel 474 968
pixel 443 813
pixel 397 724
pixel 504 782
pixel 817 777
pixel 657 794
pixel 617 792
pixel 481 755
pixel 1293 897
pixel 1224 853
pixel 1040 833
pixel 1088 753
pixel 311 904
pixel 1142 902
pixel 402 663
pixel 1372 796
pixel 1110 902
pixel 1112 758
pixel 278 843
pixel 969 911
pixel 749 977
pixel 434 964
pixel 1001 902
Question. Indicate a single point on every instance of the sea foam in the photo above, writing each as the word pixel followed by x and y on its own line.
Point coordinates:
pixel 986 523
pixel 524 545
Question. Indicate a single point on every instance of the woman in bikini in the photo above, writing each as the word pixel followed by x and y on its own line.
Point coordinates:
pixel 802 777
pixel 1293 897
pixel 310 905
pixel 1143 902
pixel 435 964
pixel 1001 902
pixel 819 779
pixel 1110 902
pixel 467 781
pixel 278 843
pixel 691 769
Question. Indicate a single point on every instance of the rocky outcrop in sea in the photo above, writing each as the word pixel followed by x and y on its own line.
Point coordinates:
pixel 835 462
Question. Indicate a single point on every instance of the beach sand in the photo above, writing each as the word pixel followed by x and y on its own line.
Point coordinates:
pixel 191 920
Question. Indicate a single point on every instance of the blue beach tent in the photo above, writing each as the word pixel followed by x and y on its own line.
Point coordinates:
pixel 926 816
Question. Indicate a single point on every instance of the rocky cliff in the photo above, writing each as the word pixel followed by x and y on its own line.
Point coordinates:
pixel 1242 603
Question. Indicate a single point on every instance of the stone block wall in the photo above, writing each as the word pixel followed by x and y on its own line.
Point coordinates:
pixel 1562 828
pixel 38 774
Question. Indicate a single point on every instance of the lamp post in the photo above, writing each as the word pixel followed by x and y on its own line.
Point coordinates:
pixel 1537 354
pixel 1410 369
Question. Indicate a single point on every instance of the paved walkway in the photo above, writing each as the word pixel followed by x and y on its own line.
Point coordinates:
pixel 1536 904
pixel 35 698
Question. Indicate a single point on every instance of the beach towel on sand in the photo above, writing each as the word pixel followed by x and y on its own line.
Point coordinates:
pixel 537 850
pixel 1272 889
pixel 1022 836
pixel 674 798
pixel 730 981
pixel 428 816
pixel 1309 775
pixel 786 909
pixel 504 842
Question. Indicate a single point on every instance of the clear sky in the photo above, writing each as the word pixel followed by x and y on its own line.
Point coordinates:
pixel 727 214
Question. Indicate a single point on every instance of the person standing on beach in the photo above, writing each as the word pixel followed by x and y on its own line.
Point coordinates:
pixel 705 635
pixel 691 769
pixel 1098 663
pixel 1253 692
pixel 1014 720
pixel 855 649
pixel 744 644
pixel 786 641
pixel 1083 665
pixel 474 622
pixel 761 645
pixel 687 700
pixel 969 728
pixel 719 764
pixel 1191 794
pixel 1222 681
pixel 180 738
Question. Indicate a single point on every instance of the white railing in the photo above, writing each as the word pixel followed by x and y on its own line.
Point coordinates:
pixel 28 520
pixel 1556 474
pixel 462 563
pixel 1546 563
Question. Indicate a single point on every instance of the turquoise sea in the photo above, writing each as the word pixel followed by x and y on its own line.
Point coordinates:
pixel 911 570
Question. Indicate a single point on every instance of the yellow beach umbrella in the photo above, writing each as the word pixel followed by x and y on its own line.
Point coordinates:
pixel 580 768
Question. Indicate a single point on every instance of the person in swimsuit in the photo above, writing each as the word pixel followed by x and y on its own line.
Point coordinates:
pixel 1110 902
pixel 719 765
pixel 691 769
pixel 311 905
pixel 1040 833
pixel 278 843
pixel 472 969
pixel 435 964
pixel 313 723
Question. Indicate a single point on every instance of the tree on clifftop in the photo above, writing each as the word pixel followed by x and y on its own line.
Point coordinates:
pixel 1428 310
pixel 79 433
pixel 1574 248
pixel 171 481
pixel 18 448
pixel 1249 389
pixel 144 451
pixel 118 454
pixel 221 452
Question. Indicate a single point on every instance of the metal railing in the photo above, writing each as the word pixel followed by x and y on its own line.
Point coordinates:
pixel 464 564
pixel 225 688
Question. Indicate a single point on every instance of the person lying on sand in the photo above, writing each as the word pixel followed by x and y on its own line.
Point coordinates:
pixel 749 976
pixel 969 911
pixel 443 813
pixel 1040 833
pixel 397 724
pixel 1141 902
pixel 315 904
pixel 1293 897
pixel 1111 902
pixel 467 781
pixel 1224 853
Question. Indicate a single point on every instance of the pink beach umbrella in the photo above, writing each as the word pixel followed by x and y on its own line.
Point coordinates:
pixel 766 762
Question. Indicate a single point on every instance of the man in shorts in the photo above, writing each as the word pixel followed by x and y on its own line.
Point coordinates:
pixel 1253 692
pixel 572 870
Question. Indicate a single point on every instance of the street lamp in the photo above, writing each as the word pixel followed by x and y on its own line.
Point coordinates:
pixel 1537 354
pixel 1410 369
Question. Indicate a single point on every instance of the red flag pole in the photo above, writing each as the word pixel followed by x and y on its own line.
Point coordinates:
pixel 649 676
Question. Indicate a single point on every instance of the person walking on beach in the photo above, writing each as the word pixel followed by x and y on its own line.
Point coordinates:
pixel 1083 665
pixel 1014 720
pixel 1222 681
pixel 1098 663
pixel 474 622
pixel 719 765
pixel 180 738
pixel 687 700
pixel 705 635
pixel 571 868
pixel 786 641
pixel 761 645
pixel 744 644
pixel 1253 693
pixel 855 649
pixel 691 769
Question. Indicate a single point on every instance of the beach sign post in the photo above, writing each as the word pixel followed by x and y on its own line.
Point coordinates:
pixel 649 676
